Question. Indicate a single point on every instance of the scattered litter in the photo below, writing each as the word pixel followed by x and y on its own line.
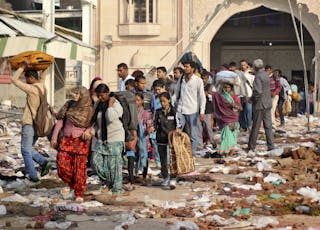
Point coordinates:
pixel 303 209
pixel 232 185
pixel 69 207
pixel 188 225
pixel 16 198
pixel 241 211
pixel 263 221
pixel 307 144
pixel 201 189
pixel 272 177
pixel 3 210
pixel 256 187
pixel 275 196
pixel 53 225
pixel 310 193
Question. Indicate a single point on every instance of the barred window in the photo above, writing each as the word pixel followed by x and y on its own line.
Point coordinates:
pixel 143 11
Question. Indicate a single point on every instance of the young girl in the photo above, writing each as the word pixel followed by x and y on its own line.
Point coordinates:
pixel 73 148
pixel 144 125
pixel 164 122
pixel 158 88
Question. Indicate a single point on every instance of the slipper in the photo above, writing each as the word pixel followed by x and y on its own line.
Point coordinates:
pixel 128 187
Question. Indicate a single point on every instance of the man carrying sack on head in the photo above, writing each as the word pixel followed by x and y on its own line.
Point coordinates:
pixel 28 134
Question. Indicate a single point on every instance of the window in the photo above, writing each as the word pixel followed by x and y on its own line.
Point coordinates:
pixel 143 11
pixel 140 18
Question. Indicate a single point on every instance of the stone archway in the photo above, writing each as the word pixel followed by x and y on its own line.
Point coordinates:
pixel 231 7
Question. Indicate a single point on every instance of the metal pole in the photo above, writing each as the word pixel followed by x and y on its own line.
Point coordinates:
pixel 306 91
pixel 316 86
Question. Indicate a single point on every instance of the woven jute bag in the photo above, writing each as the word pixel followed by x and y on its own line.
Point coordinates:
pixel 181 158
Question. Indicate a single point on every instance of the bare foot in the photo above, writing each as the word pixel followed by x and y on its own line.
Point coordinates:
pixel 79 199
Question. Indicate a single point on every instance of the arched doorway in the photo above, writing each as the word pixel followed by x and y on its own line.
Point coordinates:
pixel 232 7
pixel 262 33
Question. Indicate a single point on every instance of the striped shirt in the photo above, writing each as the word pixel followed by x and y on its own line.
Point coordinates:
pixel 275 85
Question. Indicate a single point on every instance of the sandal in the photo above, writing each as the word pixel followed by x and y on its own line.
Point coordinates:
pixel 128 187
pixel 144 183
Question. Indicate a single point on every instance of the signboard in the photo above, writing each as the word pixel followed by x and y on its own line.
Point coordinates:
pixel 5 71
pixel 71 76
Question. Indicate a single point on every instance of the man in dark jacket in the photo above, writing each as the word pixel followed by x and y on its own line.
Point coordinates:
pixel 261 106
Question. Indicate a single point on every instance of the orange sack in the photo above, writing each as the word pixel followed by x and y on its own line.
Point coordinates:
pixel 36 60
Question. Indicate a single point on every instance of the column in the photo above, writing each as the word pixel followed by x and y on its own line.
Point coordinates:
pixel 48 24
pixel 147 11
pixel 87 34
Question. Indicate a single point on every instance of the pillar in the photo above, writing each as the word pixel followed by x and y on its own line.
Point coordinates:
pixel 48 24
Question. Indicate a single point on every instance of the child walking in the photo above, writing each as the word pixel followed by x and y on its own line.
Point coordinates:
pixel 144 125
pixel 164 122
pixel 158 88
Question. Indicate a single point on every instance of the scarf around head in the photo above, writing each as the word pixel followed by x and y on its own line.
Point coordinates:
pixel 224 114
pixel 227 96
pixel 78 112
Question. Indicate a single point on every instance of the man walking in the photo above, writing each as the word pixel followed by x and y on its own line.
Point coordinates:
pixel 123 75
pixel 275 88
pixel 162 75
pixel 283 95
pixel 261 107
pixel 190 100
pixel 246 113
pixel 28 133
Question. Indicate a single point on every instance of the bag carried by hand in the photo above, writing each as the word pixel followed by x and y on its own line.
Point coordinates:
pixel 181 158
pixel 296 96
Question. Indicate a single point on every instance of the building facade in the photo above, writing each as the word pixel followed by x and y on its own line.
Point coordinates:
pixel 146 33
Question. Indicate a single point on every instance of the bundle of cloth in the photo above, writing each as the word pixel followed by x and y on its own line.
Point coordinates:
pixel 228 77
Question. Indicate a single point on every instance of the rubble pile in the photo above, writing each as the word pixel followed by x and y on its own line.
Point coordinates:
pixel 243 190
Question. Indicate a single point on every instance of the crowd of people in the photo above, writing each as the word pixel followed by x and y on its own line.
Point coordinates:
pixel 192 100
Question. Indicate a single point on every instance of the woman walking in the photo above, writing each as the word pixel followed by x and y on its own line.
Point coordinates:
pixel 108 129
pixel 226 107
pixel 74 118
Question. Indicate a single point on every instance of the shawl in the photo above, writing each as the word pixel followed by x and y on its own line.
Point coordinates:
pixel 223 113
pixel 101 107
pixel 78 112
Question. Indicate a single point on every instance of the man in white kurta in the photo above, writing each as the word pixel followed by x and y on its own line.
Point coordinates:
pixel 191 101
